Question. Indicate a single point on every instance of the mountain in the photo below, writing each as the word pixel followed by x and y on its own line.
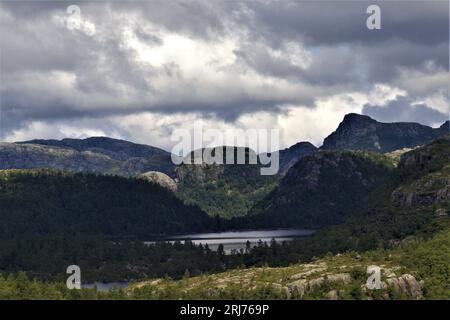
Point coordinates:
pixel 44 202
pixel 395 215
pixel 114 148
pixel 321 189
pixel 360 132
pixel 414 202
pixel 224 190
pixel 29 156
pixel 231 190
pixel 289 156
pixel 96 154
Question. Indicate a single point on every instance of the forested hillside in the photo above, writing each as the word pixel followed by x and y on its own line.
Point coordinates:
pixel 322 189
pixel 225 190
pixel 48 202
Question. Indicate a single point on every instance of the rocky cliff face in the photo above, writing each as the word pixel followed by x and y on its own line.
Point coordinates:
pixel 425 176
pixel 431 190
pixel 359 132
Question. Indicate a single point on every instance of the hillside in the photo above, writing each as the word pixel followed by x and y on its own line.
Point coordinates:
pixel 290 156
pixel 47 202
pixel 422 179
pixel 231 190
pixel 408 240
pixel 359 132
pixel 414 269
pixel 223 190
pixel 321 189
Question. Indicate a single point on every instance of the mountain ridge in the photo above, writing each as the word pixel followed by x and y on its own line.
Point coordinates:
pixel 361 132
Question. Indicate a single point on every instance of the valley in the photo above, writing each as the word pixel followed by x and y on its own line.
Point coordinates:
pixel 227 227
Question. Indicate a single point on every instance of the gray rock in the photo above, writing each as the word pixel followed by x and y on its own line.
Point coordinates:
pixel 406 284
pixel 332 295
pixel 159 178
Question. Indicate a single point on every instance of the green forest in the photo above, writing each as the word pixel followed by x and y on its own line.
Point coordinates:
pixel 48 202
pixel 426 258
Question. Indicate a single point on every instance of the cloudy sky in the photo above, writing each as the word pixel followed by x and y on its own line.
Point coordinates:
pixel 138 70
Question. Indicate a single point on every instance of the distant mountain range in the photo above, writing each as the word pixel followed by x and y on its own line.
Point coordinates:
pixel 223 190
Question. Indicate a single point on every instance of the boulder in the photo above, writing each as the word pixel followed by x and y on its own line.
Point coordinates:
pixel 406 284
pixel 159 178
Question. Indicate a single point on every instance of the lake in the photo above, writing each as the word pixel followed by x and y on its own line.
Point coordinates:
pixel 231 240
pixel 236 240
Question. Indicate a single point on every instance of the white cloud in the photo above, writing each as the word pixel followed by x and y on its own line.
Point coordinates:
pixel 438 101
pixel 296 123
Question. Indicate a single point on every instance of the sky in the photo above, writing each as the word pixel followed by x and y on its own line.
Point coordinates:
pixel 138 70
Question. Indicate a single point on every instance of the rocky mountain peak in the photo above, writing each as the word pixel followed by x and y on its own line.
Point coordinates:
pixel 360 132
pixel 355 118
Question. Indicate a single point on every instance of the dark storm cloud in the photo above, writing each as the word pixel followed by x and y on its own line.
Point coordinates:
pixel 412 33
pixel 402 110
pixel 49 72
pixel 334 22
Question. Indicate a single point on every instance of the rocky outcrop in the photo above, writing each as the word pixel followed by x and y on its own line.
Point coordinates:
pixel 360 132
pixel 425 176
pixel 421 198
pixel 303 286
pixel 406 284
pixel 159 178
pixel 426 159
pixel 314 269
pixel 332 295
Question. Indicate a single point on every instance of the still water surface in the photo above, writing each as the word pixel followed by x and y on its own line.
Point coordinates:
pixel 236 240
